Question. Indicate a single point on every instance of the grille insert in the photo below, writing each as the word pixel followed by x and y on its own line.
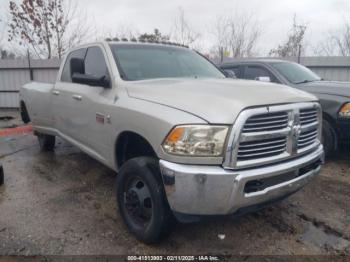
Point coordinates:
pixel 261 148
pixel 266 122
pixel 307 138
pixel 308 116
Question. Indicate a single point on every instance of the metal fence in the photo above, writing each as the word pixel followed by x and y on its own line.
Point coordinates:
pixel 15 73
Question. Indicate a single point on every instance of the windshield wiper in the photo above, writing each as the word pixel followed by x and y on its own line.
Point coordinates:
pixel 305 81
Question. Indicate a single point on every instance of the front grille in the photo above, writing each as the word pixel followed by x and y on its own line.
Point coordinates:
pixel 261 148
pixel 269 134
pixel 307 138
pixel 308 116
pixel 264 122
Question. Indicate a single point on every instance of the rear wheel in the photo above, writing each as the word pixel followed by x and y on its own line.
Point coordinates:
pixel 46 142
pixel 329 138
pixel 141 199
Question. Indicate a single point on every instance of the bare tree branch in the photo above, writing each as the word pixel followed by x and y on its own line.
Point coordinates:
pixel 182 32
pixel 236 36
pixel 294 43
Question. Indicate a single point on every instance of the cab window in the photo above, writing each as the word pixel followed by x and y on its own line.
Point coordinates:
pixel 254 72
pixel 95 63
pixel 79 53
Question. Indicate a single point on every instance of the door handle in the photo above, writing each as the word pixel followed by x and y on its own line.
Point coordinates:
pixel 77 97
pixel 55 92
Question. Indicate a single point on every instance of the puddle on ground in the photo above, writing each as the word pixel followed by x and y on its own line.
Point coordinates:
pixel 317 237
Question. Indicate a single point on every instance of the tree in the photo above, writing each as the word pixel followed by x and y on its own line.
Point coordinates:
pixel 294 44
pixel 4 54
pixel 326 47
pixel 182 32
pixel 43 26
pixel 236 36
pixel 156 36
pixel 342 40
pixel 336 43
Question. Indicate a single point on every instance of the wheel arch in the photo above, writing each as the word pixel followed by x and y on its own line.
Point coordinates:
pixel 130 144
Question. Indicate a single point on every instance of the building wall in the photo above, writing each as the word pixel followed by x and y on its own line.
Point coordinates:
pixel 17 72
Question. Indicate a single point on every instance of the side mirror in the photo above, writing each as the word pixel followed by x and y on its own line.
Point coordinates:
pixel 263 78
pixel 91 80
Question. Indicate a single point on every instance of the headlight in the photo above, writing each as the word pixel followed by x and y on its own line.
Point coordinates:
pixel 344 112
pixel 196 140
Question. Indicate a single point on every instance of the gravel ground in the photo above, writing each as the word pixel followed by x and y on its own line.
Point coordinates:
pixel 63 202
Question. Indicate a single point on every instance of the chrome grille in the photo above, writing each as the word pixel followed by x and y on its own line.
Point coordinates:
pixel 307 138
pixel 269 134
pixel 264 122
pixel 308 116
pixel 261 148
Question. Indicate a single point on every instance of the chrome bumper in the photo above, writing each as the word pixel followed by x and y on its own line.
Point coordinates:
pixel 213 190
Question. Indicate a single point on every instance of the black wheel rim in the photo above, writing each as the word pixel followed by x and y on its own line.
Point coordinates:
pixel 138 202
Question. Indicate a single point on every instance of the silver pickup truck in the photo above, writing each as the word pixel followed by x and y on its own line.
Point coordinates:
pixel 185 140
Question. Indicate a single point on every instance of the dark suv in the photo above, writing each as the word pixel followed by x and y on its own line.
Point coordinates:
pixel 334 96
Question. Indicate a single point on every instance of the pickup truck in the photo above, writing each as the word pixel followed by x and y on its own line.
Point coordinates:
pixel 185 141
pixel 334 96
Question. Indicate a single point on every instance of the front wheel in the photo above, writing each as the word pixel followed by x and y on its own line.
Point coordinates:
pixel 46 142
pixel 141 199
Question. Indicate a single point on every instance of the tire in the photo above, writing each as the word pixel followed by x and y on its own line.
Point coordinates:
pixel 329 138
pixel 1 175
pixel 141 200
pixel 46 142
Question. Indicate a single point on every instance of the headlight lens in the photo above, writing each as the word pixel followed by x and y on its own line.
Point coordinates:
pixel 196 140
pixel 344 112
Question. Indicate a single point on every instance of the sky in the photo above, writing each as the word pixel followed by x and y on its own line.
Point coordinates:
pixel 274 16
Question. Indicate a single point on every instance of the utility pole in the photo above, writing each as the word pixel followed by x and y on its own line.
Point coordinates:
pixel 221 49
pixel 29 66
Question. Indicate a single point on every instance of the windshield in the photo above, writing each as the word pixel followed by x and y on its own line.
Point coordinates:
pixel 138 62
pixel 295 73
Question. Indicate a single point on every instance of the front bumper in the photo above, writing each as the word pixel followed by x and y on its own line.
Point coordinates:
pixel 213 190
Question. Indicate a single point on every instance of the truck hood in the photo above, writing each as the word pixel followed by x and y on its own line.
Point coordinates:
pixel 214 100
pixel 327 87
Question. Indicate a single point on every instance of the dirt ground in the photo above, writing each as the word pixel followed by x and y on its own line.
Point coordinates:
pixel 63 202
